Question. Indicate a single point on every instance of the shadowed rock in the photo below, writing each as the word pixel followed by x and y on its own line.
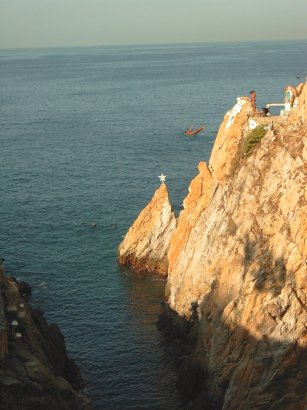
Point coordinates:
pixel 35 370
pixel 227 368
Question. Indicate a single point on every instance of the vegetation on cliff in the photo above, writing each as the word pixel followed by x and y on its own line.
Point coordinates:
pixel 253 138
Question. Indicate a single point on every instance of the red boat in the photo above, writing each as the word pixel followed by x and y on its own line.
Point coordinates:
pixel 193 132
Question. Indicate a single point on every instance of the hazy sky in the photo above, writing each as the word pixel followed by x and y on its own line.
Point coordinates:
pixel 45 23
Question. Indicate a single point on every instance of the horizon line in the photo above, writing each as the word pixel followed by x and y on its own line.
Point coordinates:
pixel 156 44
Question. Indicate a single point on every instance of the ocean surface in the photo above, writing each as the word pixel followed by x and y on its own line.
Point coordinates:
pixel 85 133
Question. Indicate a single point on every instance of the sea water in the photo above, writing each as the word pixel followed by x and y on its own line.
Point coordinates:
pixel 85 133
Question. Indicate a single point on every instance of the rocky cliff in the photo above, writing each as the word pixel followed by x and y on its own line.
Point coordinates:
pixel 146 244
pixel 238 254
pixel 35 371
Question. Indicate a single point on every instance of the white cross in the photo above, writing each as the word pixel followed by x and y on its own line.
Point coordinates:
pixel 162 178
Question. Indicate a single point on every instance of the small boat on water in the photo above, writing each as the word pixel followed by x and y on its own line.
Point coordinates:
pixel 190 131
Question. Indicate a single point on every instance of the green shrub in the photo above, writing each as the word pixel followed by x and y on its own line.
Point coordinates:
pixel 253 138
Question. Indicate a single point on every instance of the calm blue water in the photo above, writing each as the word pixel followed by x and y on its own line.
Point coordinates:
pixel 85 132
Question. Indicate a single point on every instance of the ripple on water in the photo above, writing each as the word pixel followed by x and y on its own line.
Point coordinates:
pixel 85 133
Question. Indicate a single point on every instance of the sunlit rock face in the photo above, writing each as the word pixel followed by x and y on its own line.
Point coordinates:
pixel 239 253
pixel 201 190
pixel 255 222
pixel 146 244
pixel 244 264
pixel 228 140
pixel 298 114
pixel 243 261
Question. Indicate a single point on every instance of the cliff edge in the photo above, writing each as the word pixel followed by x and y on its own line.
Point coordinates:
pixel 238 254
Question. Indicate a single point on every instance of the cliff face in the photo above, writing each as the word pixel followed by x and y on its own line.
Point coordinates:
pixel 146 244
pixel 239 254
pixel 250 233
pixel 228 141
pixel 244 264
pixel 200 192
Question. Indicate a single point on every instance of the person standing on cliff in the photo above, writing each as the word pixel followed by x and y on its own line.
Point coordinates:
pixel 252 99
